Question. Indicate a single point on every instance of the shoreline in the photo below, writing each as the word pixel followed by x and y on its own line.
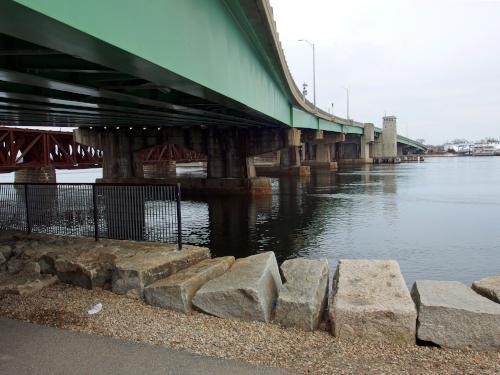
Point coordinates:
pixel 65 306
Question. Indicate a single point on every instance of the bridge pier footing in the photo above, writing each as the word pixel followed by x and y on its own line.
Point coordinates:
pixel 319 156
pixel 35 175
pixel 289 165
pixel 164 169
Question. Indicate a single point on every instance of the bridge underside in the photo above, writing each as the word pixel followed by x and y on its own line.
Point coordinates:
pixel 44 87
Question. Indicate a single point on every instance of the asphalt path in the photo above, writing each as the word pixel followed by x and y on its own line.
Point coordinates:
pixel 27 348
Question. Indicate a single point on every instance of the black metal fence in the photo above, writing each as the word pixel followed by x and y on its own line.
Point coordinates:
pixel 116 211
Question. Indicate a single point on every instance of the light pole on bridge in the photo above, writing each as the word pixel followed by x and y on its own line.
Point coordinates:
pixel 314 68
pixel 347 95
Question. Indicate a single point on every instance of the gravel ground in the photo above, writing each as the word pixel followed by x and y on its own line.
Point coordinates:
pixel 66 307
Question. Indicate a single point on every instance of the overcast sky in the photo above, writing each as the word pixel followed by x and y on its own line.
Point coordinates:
pixel 433 64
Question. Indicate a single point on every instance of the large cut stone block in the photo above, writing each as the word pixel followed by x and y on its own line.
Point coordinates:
pixel 24 283
pixel 488 287
pixel 452 315
pixel 88 270
pixel 177 291
pixel 143 269
pixel 6 251
pixel 245 292
pixel 370 300
pixel 303 296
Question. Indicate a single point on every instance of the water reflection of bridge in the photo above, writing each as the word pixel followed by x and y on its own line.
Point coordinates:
pixel 293 220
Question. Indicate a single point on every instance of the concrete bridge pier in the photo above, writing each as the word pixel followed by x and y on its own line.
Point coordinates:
pixel 367 140
pixel 386 147
pixel 122 163
pixel 35 175
pixel 290 163
pixel 319 147
pixel 43 199
pixel 287 163
pixel 122 155
pixel 357 149
pixel 162 169
pixel 230 166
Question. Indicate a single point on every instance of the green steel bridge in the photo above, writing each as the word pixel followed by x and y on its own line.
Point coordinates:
pixel 150 63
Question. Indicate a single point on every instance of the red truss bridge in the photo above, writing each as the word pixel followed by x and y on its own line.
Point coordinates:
pixel 25 148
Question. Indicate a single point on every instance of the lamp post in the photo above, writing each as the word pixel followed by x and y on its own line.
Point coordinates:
pixel 347 95
pixel 314 68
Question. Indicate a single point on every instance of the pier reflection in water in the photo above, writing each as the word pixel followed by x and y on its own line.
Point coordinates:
pixel 437 224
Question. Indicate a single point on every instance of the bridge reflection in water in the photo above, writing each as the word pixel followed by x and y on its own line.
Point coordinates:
pixel 295 220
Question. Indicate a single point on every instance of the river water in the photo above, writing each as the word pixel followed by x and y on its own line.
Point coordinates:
pixel 439 219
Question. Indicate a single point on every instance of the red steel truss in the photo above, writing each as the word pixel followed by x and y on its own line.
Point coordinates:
pixel 25 148
pixel 172 152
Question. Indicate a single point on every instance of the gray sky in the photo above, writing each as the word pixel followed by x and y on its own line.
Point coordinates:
pixel 433 64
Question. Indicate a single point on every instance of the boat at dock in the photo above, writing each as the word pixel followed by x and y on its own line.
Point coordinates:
pixel 486 149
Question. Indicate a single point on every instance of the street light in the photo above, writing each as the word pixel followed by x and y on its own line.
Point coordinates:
pixel 314 68
pixel 347 94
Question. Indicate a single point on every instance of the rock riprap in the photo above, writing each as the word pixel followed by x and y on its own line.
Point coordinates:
pixel 177 291
pixel 143 269
pixel 452 315
pixel 246 291
pixel 302 297
pixel 488 287
pixel 370 300
pixel 90 269
pixel 25 281
pixel 6 252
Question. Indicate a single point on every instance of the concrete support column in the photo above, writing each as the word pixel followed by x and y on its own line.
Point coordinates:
pixel 323 152
pixel 367 140
pixel 289 159
pixel 35 175
pixel 42 200
pixel 289 164
pixel 227 157
pixel 122 156
pixel 162 169
pixel 122 162
pixel 386 146
pixel 389 137
pixel 319 150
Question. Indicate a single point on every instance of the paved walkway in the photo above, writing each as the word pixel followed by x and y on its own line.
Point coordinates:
pixel 33 349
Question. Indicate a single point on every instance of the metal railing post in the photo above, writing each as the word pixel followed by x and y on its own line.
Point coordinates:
pixel 179 220
pixel 96 222
pixel 28 221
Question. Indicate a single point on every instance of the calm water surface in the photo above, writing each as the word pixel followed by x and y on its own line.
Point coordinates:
pixel 440 219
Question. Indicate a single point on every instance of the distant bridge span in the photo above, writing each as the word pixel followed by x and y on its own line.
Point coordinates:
pixel 27 148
